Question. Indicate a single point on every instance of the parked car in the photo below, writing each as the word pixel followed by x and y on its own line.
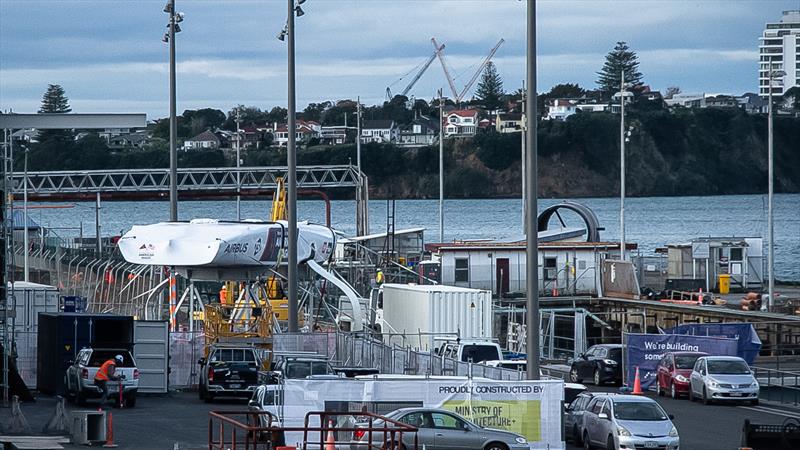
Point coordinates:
pixel 601 364
pixel 266 399
pixel 674 371
pixel 723 378
pixel 475 351
pixel 302 366
pixel 628 422
pixel 79 378
pixel 439 430
pixel 230 371
pixel 573 417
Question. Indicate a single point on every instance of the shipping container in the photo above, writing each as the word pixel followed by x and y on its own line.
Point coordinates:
pixel 62 335
pixel 414 309
pixel 29 300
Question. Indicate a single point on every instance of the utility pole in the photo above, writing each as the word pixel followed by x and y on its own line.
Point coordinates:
pixel 25 214
pixel 532 244
pixel 361 206
pixel 291 154
pixel 622 167
pixel 238 165
pixel 441 166
pixel 522 147
pixel 771 191
pixel 173 121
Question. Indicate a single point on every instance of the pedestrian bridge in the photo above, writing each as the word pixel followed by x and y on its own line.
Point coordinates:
pixel 218 179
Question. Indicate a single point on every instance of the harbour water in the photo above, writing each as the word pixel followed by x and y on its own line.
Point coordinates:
pixel 650 222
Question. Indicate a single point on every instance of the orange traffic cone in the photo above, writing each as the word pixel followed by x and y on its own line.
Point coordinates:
pixel 637 383
pixel 330 442
pixel 110 433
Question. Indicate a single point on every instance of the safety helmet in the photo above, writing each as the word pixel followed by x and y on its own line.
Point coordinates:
pixel 119 358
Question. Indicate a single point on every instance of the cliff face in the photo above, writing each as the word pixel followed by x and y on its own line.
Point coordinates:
pixel 686 152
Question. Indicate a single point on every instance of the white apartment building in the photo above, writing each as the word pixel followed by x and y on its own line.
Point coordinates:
pixel 780 46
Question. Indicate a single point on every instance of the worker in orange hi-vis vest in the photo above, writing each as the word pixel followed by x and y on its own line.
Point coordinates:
pixel 106 373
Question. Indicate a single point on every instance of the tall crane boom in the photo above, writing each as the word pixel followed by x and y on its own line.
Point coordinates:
pixel 422 70
pixel 472 80
pixel 440 54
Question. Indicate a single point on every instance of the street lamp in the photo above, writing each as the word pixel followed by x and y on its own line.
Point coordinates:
pixel 623 138
pixel 773 75
pixel 531 195
pixel 291 155
pixel 169 37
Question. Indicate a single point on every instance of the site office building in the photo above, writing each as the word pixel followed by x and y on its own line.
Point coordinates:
pixel 565 267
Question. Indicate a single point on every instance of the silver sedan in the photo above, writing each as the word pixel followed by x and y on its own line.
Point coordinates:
pixel 439 429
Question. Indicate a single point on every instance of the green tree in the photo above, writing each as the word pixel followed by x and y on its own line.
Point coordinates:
pixel 617 60
pixel 490 88
pixel 55 100
pixel 566 90
pixel 52 145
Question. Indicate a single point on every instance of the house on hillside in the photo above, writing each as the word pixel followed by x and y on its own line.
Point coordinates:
pixel 304 132
pixel 203 141
pixel 336 134
pixel 422 132
pixel 508 122
pixel 561 108
pixel 136 140
pixel 461 122
pixel 383 130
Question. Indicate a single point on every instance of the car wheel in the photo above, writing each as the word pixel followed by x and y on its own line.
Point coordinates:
pixel 597 380
pixel 659 391
pixel 587 445
pixel 691 393
pixel 208 397
pixel 610 443
pixel 706 399
pixel 754 402
pixel 201 392
pixel 130 400
pixel 673 393
pixel 495 446
pixel 573 375
pixel 79 398
pixel 576 436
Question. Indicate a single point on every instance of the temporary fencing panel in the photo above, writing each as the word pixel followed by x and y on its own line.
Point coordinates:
pixel 530 408
pixel 748 342
pixel 151 350
pixel 645 351
pixel 185 349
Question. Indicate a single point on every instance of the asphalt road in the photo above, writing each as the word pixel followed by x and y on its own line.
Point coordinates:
pixel 716 426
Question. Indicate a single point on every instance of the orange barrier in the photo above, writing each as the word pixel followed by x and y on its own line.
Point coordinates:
pixel 637 383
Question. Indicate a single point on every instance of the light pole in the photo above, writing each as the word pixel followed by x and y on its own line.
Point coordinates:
pixel 291 155
pixel 531 192
pixel 622 140
pixel 441 166
pixel 773 74
pixel 238 165
pixel 25 213
pixel 169 36
pixel 524 163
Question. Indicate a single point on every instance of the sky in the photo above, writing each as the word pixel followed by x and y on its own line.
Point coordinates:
pixel 108 54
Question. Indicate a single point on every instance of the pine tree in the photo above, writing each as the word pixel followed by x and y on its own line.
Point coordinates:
pixel 617 60
pixel 490 88
pixel 54 100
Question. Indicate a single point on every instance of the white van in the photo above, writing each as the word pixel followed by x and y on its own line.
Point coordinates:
pixel 471 350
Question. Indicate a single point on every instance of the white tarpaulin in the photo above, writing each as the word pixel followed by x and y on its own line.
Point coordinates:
pixel 530 408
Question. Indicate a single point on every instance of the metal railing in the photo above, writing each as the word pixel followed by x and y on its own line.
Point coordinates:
pixel 778 385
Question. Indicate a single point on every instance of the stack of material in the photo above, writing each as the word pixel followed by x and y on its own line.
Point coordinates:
pixel 751 302
pixel 34 442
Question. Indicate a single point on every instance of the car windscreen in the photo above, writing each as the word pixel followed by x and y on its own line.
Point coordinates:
pixel 685 361
pixel 241 355
pixel 615 354
pixel 723 367
pixel 638 411
pixel 479 353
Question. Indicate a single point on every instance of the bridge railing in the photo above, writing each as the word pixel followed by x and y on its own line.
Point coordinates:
pixel 778 385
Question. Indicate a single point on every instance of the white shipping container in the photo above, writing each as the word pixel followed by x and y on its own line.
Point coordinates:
pixel 30 299
pixel 412 309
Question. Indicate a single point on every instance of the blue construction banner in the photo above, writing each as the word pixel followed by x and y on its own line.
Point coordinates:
pixel 749 344
pixel 645 351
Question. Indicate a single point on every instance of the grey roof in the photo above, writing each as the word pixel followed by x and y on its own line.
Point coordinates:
pixel 381 124
pixel 205 136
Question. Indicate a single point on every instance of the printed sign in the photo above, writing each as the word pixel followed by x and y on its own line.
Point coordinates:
pixel 645 351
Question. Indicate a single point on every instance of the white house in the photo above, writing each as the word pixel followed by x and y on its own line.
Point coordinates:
pixel 461 122
pixel 561 108
pixel 422 132
pixel 508 122
pixel 565 267
pixel 203 141
pixel 379 131
pixel 304 131
pixel 335 135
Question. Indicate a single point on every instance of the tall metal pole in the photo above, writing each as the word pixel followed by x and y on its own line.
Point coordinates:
pixel 441 166
pixel 99 243
pixel 25 215
pixel 358 131
pixel 173 122
pixel 360 205
pixel 524 162
pixel 532 257
pixel 622 167
pixel 238 165
pixel 770 225
pixel 292 175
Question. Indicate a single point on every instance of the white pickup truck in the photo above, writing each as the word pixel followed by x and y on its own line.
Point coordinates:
pixel 79 379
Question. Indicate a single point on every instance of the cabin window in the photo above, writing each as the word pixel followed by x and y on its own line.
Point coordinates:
pixel 462 270
pixel 550 271
pixel 736 254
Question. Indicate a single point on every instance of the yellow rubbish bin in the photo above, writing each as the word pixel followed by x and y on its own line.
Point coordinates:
pixel 724 283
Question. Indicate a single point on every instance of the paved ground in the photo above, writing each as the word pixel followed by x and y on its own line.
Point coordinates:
pixel 155 423
pixel 716 427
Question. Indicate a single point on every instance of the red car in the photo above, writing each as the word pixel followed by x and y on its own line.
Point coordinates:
pixel 674 371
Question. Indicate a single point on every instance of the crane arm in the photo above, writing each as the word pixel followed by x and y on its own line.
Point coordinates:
pixel 440 54
pixel 478 72
pixel 422 70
